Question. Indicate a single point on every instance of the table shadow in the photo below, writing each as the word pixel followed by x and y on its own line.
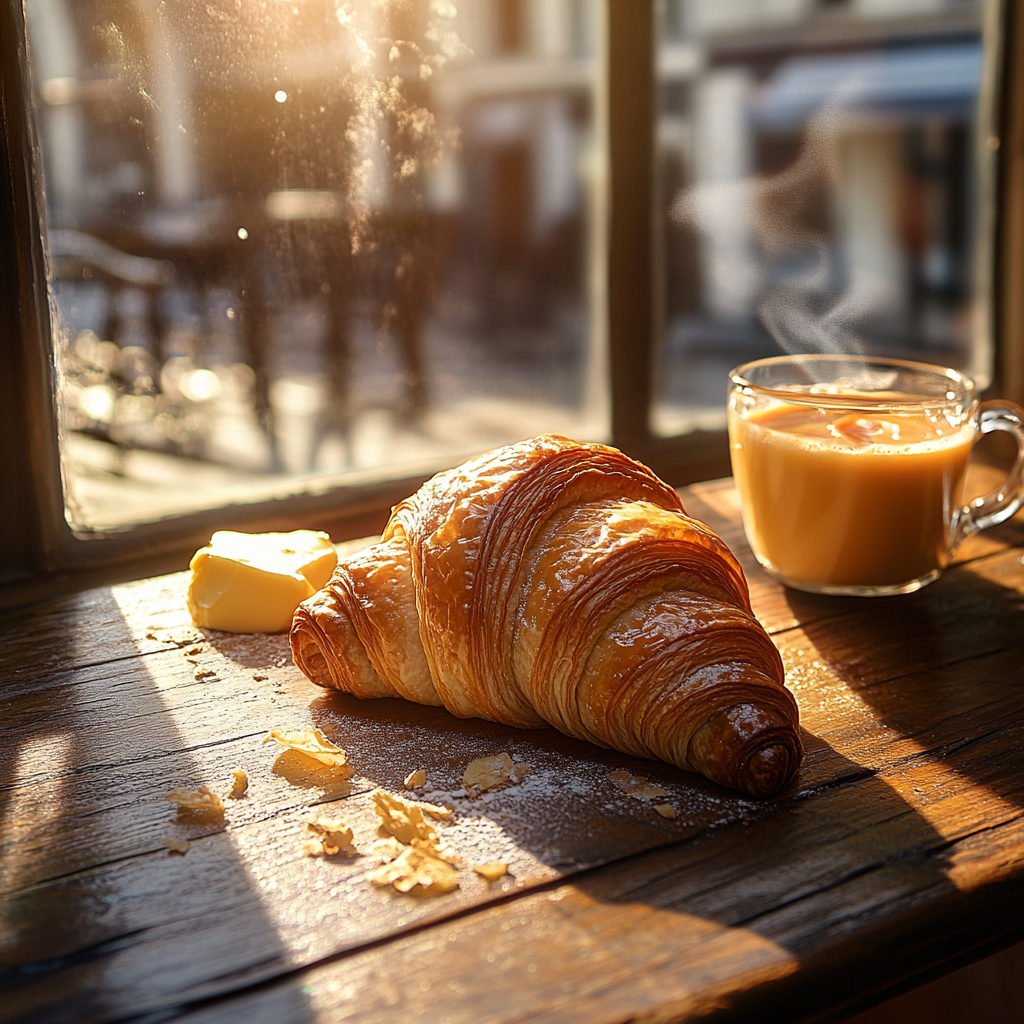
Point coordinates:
pixel 100 921
pixel 687 910
pixel 956 649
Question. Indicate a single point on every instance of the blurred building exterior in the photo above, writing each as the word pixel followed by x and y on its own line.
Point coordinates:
pixel 364 231
pixel 817 160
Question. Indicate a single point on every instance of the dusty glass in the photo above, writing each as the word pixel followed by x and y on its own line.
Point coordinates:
pixel 299 245
pixel 817 190
pixel 851 469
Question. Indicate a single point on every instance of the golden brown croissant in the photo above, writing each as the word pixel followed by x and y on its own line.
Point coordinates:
pixel 559 583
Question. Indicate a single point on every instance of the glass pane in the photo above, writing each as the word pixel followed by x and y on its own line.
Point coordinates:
pixel 302 242
pixel 816 187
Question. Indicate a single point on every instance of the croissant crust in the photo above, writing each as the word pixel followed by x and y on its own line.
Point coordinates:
pixel 559 583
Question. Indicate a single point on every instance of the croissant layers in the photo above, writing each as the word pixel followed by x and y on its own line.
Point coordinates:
pixel 559 583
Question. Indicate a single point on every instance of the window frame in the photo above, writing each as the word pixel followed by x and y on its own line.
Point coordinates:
pixel 1003 174
pixel 40 555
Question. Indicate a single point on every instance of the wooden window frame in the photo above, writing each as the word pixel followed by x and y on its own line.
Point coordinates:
pixel 1004 241
pixel 41 556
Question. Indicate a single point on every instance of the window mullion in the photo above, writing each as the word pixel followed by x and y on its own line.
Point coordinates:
pixel 628 64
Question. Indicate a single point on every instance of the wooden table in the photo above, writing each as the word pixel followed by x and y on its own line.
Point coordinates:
pixel 898 851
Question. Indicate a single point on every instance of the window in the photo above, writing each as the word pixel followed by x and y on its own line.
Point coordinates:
pixel 308 243
pixel 817 164
pixel 300 255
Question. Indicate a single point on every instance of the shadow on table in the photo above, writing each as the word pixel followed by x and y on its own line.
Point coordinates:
pixel 566 813
pixel 99 920
pixel 743 894
pixel 942 666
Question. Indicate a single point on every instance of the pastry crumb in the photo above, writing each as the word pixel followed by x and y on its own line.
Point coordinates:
pixel 441 852
pixel 417 873
pixel 665 810
pixel 636 786
pixel 258 677
pixel 487 773
pixel 402 818
pixel 310 742
pixel 492 870
pixel 178 846
pixel 416 779
pixel 196 650
pixel 439 812
pixel 239 783
pixel 204 673
pixel 151 636
pixel 388 848
pixel 332 836
pixel 202 800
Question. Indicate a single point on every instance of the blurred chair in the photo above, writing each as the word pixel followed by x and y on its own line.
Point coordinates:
pixel 76 256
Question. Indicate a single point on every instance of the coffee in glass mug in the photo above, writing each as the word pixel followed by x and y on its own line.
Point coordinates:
pixel 850 469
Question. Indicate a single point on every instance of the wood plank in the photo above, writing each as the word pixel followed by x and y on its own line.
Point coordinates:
pixel 278 842
pixel 673 934
pixel 909 793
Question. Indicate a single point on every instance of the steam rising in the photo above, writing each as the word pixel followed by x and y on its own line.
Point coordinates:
pixel 805 297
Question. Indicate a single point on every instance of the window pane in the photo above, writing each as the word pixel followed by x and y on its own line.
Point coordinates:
pixel 304 242
pixel 816 183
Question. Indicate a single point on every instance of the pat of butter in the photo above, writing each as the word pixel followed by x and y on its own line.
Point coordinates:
pixel 253 582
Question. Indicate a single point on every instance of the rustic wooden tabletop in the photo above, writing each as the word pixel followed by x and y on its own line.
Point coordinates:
pixel 898 851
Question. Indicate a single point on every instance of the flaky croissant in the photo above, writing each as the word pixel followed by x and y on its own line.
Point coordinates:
pixel 559 583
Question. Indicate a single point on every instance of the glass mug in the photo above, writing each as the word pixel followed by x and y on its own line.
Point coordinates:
pixel 850 469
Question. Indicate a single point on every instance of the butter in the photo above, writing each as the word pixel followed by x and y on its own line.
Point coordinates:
pixel 253 582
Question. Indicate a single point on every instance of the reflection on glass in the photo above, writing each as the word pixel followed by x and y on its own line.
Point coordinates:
pixel 297 243
pixel 815 187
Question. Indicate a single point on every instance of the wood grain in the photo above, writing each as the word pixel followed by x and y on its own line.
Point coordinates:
pixel 899 846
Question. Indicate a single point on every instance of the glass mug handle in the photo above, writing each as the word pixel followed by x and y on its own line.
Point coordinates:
pixel 998 505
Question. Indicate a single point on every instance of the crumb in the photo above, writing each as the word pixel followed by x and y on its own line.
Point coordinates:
pixel 418 873
pixel 439 812
pixel 492 870
pixel 151 636
pixel 388 848
pixel 179 846
pixel 665 810
pixel 402 818
pixel 310 742
pixel 441 852
pixel 239 783
pixel 416 779
pixel 202 800
pixel 636 786
pixel 332 836
pixel 204 673
pixel 258 677
pixel 195 650
pixel 488 773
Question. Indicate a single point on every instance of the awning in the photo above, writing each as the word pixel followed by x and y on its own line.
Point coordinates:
pixel 905 81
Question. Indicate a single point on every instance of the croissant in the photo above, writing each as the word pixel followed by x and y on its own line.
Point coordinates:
pixel 558 583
